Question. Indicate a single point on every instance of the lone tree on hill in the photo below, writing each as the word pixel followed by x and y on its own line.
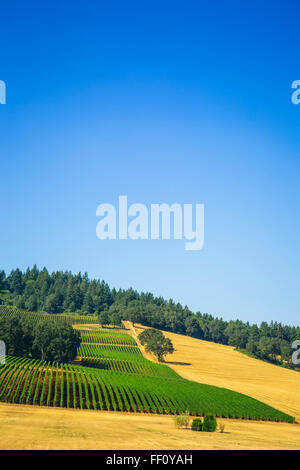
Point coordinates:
pixel 156 343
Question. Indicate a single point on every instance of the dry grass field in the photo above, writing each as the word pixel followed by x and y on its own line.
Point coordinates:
pixel 27 427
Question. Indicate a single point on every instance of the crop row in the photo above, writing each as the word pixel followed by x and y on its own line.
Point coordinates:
pixel 106 337
pixel 39 383
pixel 125 359
pixel 142 367
pixel 109 351
pixel 71 319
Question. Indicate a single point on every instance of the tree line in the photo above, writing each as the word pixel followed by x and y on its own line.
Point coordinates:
pixel 45 339
pixel 63 292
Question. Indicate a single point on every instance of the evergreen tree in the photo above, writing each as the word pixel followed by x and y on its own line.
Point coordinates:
pixel 16 284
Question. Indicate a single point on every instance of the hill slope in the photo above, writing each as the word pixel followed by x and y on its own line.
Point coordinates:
pixel 113 375
pixel 27 427
pixel 220 365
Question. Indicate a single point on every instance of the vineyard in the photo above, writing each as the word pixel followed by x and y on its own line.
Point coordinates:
pixel 71 319
pixel 111 374
pixel 117 351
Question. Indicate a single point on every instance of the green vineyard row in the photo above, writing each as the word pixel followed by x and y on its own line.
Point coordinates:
pixel 114 375
pixel 71 319
pixel 104 336
pixel 35 382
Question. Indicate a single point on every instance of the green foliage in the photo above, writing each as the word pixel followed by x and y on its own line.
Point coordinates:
pixel 209 423
pixel 16 282
pixel 55 341
pixel 103 318
pixel 237 334
pixel 15 335
pixel 41 338
pixel 115 315
pixel 192 327
pixel 197 424
pixel 133 313
pixel 2 280
pixel 156 343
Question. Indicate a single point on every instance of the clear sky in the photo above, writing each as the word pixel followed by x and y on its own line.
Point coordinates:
pixel 180 101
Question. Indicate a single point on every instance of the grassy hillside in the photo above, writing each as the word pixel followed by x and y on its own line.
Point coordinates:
pixel 116 376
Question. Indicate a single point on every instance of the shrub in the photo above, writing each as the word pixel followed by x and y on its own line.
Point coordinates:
pixel 197 424
pixel 221 427
pixel 209 423
pixel 182 420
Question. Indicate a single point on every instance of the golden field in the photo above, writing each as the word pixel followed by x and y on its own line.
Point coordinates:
pixel 33 427
pixel 28 427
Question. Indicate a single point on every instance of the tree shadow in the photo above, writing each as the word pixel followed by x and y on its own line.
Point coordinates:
pixel 177 363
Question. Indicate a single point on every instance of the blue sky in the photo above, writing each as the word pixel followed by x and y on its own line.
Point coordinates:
pixel 185 102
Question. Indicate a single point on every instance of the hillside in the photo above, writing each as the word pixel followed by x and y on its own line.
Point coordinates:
pixel 61 293
pixel 112 374
pixel 27 427
pixel 223 366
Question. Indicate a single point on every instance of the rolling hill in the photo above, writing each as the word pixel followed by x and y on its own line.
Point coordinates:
pixel 112 373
